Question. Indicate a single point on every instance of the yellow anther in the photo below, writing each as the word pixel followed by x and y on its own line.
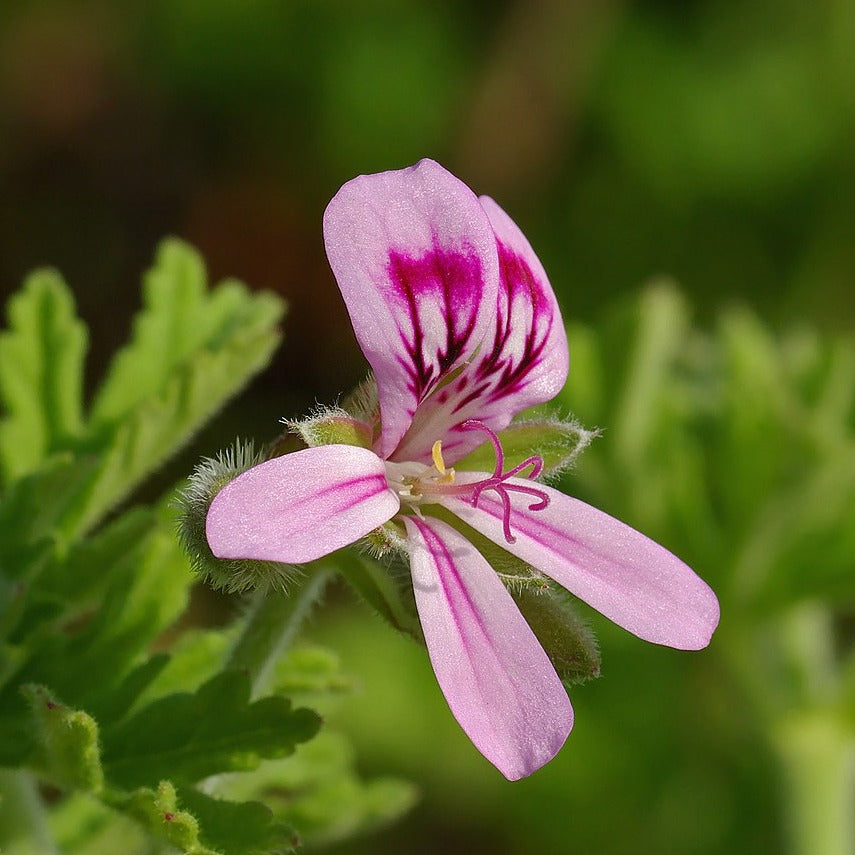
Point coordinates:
pixel 436 453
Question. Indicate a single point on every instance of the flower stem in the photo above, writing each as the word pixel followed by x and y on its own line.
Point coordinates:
pixel 272 623
pixel 23 821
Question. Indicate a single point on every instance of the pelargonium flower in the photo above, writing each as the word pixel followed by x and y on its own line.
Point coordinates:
pixel 462 331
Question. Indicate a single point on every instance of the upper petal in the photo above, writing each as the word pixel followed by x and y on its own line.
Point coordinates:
pixel 632 580
pixel 522 360
pixel 415 258
pixel 301 506
pixel 497 679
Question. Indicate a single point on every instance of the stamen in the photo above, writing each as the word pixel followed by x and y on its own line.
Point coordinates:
pixel 498 481
pixel 474 424
pixel 436 454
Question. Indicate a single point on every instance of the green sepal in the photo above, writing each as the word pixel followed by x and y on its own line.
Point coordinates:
pixel 566 637
pixel 332 427
pixel 558 443
pixel 67 741
pixel 549 610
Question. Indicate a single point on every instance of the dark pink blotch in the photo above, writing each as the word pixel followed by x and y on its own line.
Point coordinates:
pixel 453 281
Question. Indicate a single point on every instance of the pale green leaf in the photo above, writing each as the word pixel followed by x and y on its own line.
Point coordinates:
pixel 180 320
pixel 41 374
pixel 319 792
pixel 67 739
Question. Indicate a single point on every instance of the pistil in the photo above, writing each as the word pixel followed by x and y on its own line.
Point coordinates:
pixel 416 482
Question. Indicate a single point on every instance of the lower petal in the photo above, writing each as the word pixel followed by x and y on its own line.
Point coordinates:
pixel 301 506
pixel 632 580
pixel 497 679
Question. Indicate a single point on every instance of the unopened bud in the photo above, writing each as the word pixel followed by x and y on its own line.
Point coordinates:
pixel 227 574
pixel 332 427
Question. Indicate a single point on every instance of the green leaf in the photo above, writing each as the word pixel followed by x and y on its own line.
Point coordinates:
pixel 187 737
pixel 41 374
pixel 91 564
pixel 194 658
pixel 238 828
pixel 318 791
pixel 308 671
pixel 192 351
pixel 663 319
pixel 158 811
pixel 114 706
pixel 33 511
pixel 68 741
pixel 149 586
pixel 179 321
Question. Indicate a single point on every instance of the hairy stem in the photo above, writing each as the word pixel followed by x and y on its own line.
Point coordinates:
pixel 272 623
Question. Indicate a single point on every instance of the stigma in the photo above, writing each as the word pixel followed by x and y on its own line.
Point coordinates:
pixel 420 483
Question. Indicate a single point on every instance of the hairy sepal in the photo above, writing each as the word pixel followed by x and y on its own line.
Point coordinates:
pixel 558 442
pixel 332 427
pixel 232 575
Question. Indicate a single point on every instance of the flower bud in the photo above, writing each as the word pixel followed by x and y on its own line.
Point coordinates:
pixel 232 575
pixel 331 427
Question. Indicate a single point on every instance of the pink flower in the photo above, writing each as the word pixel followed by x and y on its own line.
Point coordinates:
pixel 457 319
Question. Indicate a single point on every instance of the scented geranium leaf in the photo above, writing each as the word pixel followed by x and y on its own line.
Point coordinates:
pixel 662 323
pixel 306 672
pixel 159 811
pixel 319 792
pixel 192 350
pixel 238 828
pixel 190 736
pixel 83 825
pixel 149 586
pixel 755 438
pixel 194 659
pixel 34 508
pixel 41 374
pixel 557 443
pixel 67 741
pixel 86 570
pixel 180 319
pixel 115 705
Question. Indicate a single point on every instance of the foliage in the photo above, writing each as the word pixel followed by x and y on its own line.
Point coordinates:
pixel 102 694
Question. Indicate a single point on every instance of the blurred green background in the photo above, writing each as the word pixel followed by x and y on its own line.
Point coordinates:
pixel 711 141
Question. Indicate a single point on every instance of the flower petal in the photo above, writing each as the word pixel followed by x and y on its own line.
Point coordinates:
pixel 497 679
pixel 632 580
pixel 301 506
pixel 415 258
pixel 522 360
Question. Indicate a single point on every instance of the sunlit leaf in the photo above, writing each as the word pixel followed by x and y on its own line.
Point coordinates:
pixel 41 374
